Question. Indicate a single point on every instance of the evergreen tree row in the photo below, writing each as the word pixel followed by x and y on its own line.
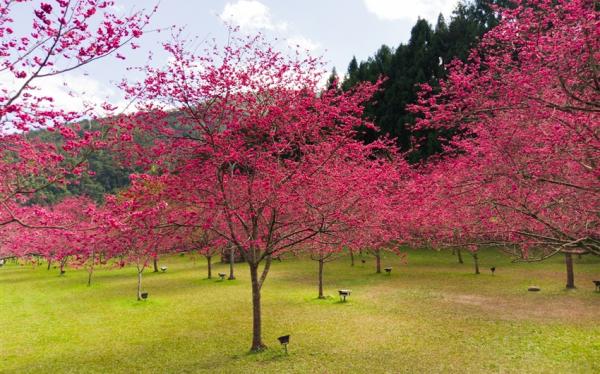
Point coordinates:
pixel 421 60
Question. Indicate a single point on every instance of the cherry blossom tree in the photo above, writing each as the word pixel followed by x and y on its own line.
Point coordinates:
pixel 323 254
pixel 137 225
pixel 59 233
pixel 524 110
pixel 202 241
pixel 64 36
pixel 245 128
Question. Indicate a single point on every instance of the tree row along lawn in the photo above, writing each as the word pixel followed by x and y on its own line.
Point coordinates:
pixel 431 315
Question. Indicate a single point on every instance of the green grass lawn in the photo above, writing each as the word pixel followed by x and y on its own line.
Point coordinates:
pixel 430 316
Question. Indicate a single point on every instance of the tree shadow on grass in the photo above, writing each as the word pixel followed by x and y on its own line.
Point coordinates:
pixel 268 354
pixel 328 300
pixel 341 302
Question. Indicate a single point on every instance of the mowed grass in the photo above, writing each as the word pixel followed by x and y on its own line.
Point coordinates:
pixel 429 316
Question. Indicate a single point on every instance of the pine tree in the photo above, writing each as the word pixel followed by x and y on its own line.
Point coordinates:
pixel 421 60
pixel 333 81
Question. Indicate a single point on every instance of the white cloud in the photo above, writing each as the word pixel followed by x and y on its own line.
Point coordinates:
pixel 75 91
pixel 302 43
pixel 69 91
pixel 250 15
pixel 117 8
pixel 410 9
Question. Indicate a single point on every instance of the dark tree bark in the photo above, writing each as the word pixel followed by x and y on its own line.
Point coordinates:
pixel 231 263
pixel 49 263
pixel 63 262
pixel 570 273
pixel 476 262
pixel 209 266
pixel 351 257
pixel 257 343
pixel 378 260
pixel 91 269
pixel 155 263
pixel 321 263
pixel 139 285
pixel 459 255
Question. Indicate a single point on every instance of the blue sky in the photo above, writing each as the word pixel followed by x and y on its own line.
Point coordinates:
pixel 334 29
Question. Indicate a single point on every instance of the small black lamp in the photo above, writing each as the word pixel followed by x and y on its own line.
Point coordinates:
pixel 284 340
pixel 344 294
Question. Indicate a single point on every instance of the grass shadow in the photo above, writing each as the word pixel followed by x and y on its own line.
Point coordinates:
pixel 268 354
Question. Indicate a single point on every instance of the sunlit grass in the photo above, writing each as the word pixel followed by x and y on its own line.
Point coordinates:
pixel 432 315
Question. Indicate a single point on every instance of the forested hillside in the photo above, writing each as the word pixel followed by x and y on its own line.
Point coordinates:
pixel 107 177
pixel 421 60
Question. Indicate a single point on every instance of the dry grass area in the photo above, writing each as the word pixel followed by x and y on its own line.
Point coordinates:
pixel 513 308
pixel 432 315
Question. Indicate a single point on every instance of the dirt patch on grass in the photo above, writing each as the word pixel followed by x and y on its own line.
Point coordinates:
pixel 529 307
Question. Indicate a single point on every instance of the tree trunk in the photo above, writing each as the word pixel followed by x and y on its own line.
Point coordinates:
pixel 257 344
pixel 90 271
pixel 351 258
pixel 321 278
pixel 49 263
pixel 91 268
pixel 155 263
pixel 209 265
pixel 460 259
pixel 139 285
pixel 231 261
pixel 62 265
pixel 378 261
pixel 476 263
pixel 570 274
